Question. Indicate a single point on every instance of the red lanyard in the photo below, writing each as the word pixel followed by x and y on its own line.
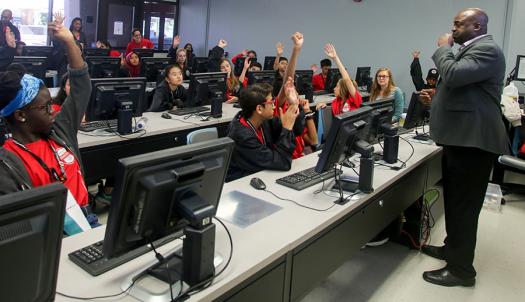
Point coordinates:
pixel 52 173
pixel 255 131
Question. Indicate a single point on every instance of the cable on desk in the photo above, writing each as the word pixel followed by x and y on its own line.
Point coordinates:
pixel 126 291
pixel 303 206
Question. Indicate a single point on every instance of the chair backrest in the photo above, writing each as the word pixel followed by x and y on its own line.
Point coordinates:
pixel 202 135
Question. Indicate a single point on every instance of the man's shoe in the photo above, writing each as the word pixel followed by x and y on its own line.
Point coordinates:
pixel 444 277
pixel 433 251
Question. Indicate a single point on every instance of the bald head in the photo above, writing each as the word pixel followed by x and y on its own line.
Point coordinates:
pixel 477 16
pixel 7 14
pixel 468 24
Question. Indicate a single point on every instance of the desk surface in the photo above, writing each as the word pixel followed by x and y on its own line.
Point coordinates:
pixel 256 246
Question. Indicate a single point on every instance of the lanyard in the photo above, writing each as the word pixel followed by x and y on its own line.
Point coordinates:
pixel 255 131
pixel 52 173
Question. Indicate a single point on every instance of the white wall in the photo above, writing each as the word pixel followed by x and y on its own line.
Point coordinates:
pixel 371 33
pixel 192 24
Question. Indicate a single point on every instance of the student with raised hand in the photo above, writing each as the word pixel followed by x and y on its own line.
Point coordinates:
pixel 137 41
pixel 216 55
pixel 44 147
pixel 104 44
pixel 179 56
pixel 262 141
pixel 243 54
pixel 319 79
pixel 384 88
pixel 417 74
pixel 279 65
pixel 169 94
pixel 347 97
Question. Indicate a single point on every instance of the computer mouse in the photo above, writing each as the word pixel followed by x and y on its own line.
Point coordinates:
pixel 165 115
pixel 257 183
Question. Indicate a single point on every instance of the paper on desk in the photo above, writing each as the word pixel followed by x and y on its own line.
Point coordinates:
pixel 75 221
pixel 244 210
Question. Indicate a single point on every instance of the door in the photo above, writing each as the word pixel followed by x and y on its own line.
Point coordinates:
pixel 159 23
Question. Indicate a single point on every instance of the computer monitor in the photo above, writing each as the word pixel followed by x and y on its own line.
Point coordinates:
pixel 417 113
pixel 103 67
pixel 39 51
pixel 362 76
pixel 107 96
pixel 332 78
pixel 520 68
pixel 199 65
pixel 151 68
pixel 263 76
pixel 166 192
pixel 303 83
pixel 144 52
pixel 35 66
pixel 207 88
pixel 381 119
pixel 268 63
pixel 31 231
pixel 96 52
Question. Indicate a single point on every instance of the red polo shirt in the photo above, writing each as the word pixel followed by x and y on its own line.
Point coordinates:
pixel 351 103
pixel 318 82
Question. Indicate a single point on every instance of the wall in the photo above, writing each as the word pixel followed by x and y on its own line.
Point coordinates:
pixel 371 33
pixel 514 34
pixel 193 23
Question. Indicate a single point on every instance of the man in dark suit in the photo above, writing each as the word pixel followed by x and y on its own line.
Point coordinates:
pixel 466 120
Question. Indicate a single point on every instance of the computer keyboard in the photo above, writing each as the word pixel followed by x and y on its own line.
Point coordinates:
pixel 306 178
pixel 188 110
pixel 96 125
pixel 91 258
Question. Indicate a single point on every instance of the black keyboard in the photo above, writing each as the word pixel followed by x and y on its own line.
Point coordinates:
pixel 188 110
pixel 96 125
pixel 91 258
pixel 306 178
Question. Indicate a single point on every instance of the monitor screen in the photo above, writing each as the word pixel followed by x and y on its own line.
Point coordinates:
pixel 150 188
pixel 303 83
pixel 144 52
pixel 39 51
pixel 152 68
pixel 381 118
pixel 263 76
pixel 268 63
pixel 35 66
pixel 417 113
pixel 96 52
pixel 205 87
pixel 346 130
pixel 106 94
pixel 199 65
pixel 362 76
pixel 332 78
pixel 520 68
pixel 103 67
pixel 31 230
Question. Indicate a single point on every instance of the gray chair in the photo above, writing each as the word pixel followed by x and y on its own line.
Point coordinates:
pixel 509 163
pixel 202 135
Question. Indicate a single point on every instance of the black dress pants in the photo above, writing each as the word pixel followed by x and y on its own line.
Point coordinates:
pixel 466 173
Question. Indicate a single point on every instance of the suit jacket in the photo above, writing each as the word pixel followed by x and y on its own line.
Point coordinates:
pixel 466 110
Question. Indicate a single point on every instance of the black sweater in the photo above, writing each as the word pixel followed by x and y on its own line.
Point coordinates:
pixel 165 99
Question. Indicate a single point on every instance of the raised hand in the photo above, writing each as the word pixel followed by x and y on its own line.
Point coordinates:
pixel 176 41
pixel 445 39
pixel 246 63
pixel 222 43
pixel 291 94
pixel 305 104
pixel 415 54
pixel 298 39
pixel 288 117
pixel 57 29
pixel 10 38
pixel 244 52
pixel 280 48
pixel 314 67
pixel 329 50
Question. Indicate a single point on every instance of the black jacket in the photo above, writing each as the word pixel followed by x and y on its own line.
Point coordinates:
pixel 165 99
pixel 250 156
pixel 6 56
pixel 215 55
pixel 13 173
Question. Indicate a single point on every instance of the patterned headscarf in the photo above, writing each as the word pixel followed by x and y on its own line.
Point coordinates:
pixel 30 87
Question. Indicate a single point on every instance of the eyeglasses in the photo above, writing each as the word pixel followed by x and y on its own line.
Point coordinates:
pixel 47 106
pixel 383 77
pixel 268 103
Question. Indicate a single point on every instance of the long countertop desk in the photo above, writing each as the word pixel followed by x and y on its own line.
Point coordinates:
pixel 284 255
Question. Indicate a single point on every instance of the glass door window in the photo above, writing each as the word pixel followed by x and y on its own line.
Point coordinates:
pixel 31 17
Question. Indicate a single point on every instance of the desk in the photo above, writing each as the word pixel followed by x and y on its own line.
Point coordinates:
pixel 100 153
pixel 273 259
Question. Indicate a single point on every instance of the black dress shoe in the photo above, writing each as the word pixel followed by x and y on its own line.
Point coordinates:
pixel 433 251
pixel 445 278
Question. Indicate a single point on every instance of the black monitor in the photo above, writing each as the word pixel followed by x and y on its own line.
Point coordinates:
pixel 268 63
pixel 417 113
pixel 96 52
pixel 520 68
pixel 166 192
pixel 152 68
pixel 107 96
pixel 362 76
pixel 263 76
pixel 199 65
pixel 35 66
pixel 332 78
pixel 144 52
pixel 39 51
pixel 303 83
pixel 103 67
pixel 206 87
pixel 381 118
pixel 31 228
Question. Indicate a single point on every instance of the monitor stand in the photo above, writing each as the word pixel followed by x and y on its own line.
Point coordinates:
pixel 149 288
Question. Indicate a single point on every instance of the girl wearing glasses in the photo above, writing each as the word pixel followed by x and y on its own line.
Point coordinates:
pixel 384 88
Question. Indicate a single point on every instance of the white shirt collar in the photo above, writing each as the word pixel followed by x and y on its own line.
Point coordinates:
pixel 472 41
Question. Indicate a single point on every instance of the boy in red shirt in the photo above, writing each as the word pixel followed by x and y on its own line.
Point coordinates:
pixel 138 41
pixel 318 80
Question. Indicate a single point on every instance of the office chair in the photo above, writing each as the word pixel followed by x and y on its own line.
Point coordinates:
pixel 202 135
pixel 508 163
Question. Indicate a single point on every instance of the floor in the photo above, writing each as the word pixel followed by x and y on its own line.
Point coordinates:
pixel 392 272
